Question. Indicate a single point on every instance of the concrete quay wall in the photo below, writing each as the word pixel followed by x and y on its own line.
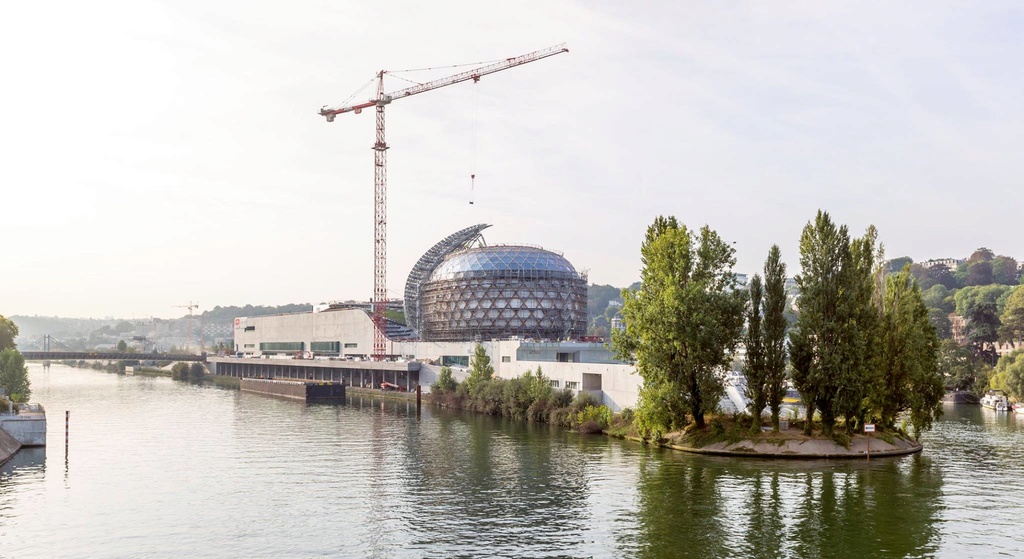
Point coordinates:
pixel 8 446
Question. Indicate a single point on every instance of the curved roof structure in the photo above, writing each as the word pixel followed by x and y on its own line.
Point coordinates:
pixel 425 267
pixel 489 260
pixel 498 292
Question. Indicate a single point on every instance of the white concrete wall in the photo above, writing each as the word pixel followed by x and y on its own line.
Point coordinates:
pixel 346 326
pixel 29 431
pixel 619 385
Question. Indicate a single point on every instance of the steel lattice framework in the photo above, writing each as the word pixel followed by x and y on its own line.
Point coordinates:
pixel 504 291
pixel 428 262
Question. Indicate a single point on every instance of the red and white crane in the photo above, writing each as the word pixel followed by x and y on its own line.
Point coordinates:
pixel 380 200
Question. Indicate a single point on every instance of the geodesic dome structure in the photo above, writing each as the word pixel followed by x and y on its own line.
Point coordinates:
pixel 501 291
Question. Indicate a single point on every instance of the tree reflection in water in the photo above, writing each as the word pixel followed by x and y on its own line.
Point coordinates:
pixel 697 506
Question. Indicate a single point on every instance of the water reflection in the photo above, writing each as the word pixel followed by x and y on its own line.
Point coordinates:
pixel 703 507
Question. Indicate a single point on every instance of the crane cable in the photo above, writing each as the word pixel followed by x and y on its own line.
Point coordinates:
pixel 472 148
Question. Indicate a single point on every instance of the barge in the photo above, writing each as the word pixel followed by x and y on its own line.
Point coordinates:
pixel 309 391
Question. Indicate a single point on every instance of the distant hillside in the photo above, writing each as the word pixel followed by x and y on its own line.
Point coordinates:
pixel 604 302
pixel 228 314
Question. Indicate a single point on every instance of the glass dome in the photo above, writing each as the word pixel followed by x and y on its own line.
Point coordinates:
pixel 501 258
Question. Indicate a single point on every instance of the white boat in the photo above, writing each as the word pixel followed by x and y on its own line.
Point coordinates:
pixel 996 400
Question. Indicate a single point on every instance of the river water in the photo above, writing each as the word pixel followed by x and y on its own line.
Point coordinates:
pixel 157 468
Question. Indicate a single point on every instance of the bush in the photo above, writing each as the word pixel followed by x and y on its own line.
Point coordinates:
pixel 599 417
pixel 445 382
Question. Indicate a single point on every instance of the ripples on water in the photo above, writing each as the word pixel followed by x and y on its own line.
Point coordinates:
pixel 161 469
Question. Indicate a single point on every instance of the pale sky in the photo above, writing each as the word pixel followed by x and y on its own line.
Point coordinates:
pixel 156 152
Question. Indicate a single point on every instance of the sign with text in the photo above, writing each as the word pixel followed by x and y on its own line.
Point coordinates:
pixel 869 427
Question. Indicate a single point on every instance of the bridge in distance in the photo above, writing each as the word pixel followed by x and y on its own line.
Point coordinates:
pixel 110 356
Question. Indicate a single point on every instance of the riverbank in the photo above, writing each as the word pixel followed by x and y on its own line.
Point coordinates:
pixel 725 437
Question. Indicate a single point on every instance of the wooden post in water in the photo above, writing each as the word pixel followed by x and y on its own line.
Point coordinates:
pixel 67 429
pixel 418 396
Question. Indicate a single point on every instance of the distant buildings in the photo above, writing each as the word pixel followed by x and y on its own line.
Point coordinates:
pixel 950 263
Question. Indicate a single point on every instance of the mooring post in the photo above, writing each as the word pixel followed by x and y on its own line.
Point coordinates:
pixel 418 396
pixel 67 429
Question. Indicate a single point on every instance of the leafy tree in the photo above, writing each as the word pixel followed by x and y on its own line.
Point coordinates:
pixel 837 319
pixel 970 297
pixel 754 370
pixel 979 273
pixel 897 264
pixel 8 332
pixel 122 346
pixel 909 379
pixel 935 298
pixel 981 255
pixel 14 375
pixel 957 366
pixel 179 371
pixel 480 368
pixel 445 381
pixel 940 321
pixel 682 323
pixel 981 331
pixel 801 360
pixel 941 274
pixel 774 331
pixel 922 275
pixel 1013 316
pixel 960 274
pixel 196 372
pixel 1004 270
pixel 1010 373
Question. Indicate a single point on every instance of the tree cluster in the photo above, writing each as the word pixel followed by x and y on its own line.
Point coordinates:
pixel 682 324
pixel 862 347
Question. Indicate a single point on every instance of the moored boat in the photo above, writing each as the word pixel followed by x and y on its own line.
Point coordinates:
pixel 996 400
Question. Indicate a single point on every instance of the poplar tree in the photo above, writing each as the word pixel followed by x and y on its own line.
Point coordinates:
pixel 754 368
pixel 837 320
pixel 773 332
pixel 909 379
pixel 682 324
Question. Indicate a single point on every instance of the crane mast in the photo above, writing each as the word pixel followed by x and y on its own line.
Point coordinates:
pixel 380 190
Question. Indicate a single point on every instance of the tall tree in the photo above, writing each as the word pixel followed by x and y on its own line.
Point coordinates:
pixel 981 331
pixel 1004 270
pixel 754 370
pixel 979 273
pixel 940 321
pixel 480 368
pixel 897 264
pixel 957 366
pixel 801 358
pixel 909 379
pixel 837 318
pixel 1012 318
pixel 941 274
pixel 683 323
pixel 774 331
pixel 14 375
pixel 981 255
pixel 8 332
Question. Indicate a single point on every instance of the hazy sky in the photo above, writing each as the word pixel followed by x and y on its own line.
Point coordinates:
pixel 156 152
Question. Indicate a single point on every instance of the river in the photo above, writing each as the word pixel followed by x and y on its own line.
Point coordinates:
pixel 157 468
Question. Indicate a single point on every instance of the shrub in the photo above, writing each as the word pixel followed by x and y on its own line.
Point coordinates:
pixel 600 416
pixel 445 382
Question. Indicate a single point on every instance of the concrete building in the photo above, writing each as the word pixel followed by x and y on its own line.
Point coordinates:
pixel 346 335
pixel 525 305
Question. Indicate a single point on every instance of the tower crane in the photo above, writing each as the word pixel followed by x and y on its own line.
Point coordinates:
pixel 190 306
pixel 380 167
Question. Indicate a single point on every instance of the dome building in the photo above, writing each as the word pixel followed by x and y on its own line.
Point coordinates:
pixel 493 292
